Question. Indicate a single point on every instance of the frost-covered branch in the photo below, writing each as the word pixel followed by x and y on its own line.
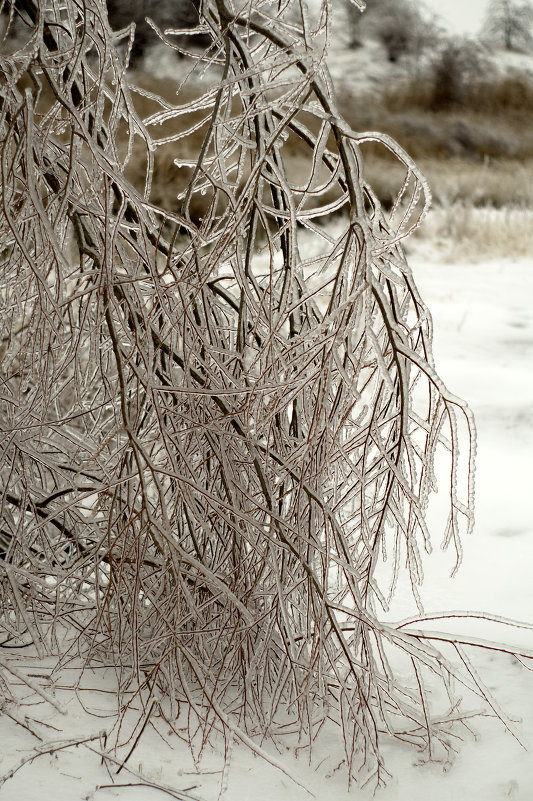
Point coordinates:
pixel 217 415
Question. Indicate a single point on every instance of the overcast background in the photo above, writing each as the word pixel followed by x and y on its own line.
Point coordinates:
pixel 460 16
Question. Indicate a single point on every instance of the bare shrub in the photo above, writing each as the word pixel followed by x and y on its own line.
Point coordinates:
pixel 401 28
pixel 211 437
pixel 458 105
pixel 459 66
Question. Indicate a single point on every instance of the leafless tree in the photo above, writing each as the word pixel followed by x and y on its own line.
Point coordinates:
pixel 509 23
pixel 216 424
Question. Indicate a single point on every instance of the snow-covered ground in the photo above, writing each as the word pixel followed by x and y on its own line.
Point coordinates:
pixel 483 314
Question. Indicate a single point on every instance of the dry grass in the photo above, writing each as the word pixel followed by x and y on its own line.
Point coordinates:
pixel 465 133
pixel 459 232
pixel 496 183
pixel 507 94
pixel 478 151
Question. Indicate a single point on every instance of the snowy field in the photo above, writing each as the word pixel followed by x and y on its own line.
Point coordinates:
pixel 483 315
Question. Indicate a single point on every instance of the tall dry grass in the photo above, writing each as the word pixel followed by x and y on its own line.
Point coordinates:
pixel 460 232
pixel 477 150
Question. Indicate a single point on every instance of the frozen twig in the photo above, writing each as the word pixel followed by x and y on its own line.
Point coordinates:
pixel 210 437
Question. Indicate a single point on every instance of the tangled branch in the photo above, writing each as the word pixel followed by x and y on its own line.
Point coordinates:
pixel 217 416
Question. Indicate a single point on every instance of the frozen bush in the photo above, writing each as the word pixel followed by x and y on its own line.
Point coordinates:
pixel 213 430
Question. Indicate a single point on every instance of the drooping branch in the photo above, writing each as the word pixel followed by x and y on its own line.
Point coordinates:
pixel 218 414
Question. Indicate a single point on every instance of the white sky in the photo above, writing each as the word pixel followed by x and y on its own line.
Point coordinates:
pixel 460 16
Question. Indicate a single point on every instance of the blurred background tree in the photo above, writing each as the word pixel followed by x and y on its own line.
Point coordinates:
pixel 508 24
pixel 353 20
pixel 400 26
pixel 165 13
